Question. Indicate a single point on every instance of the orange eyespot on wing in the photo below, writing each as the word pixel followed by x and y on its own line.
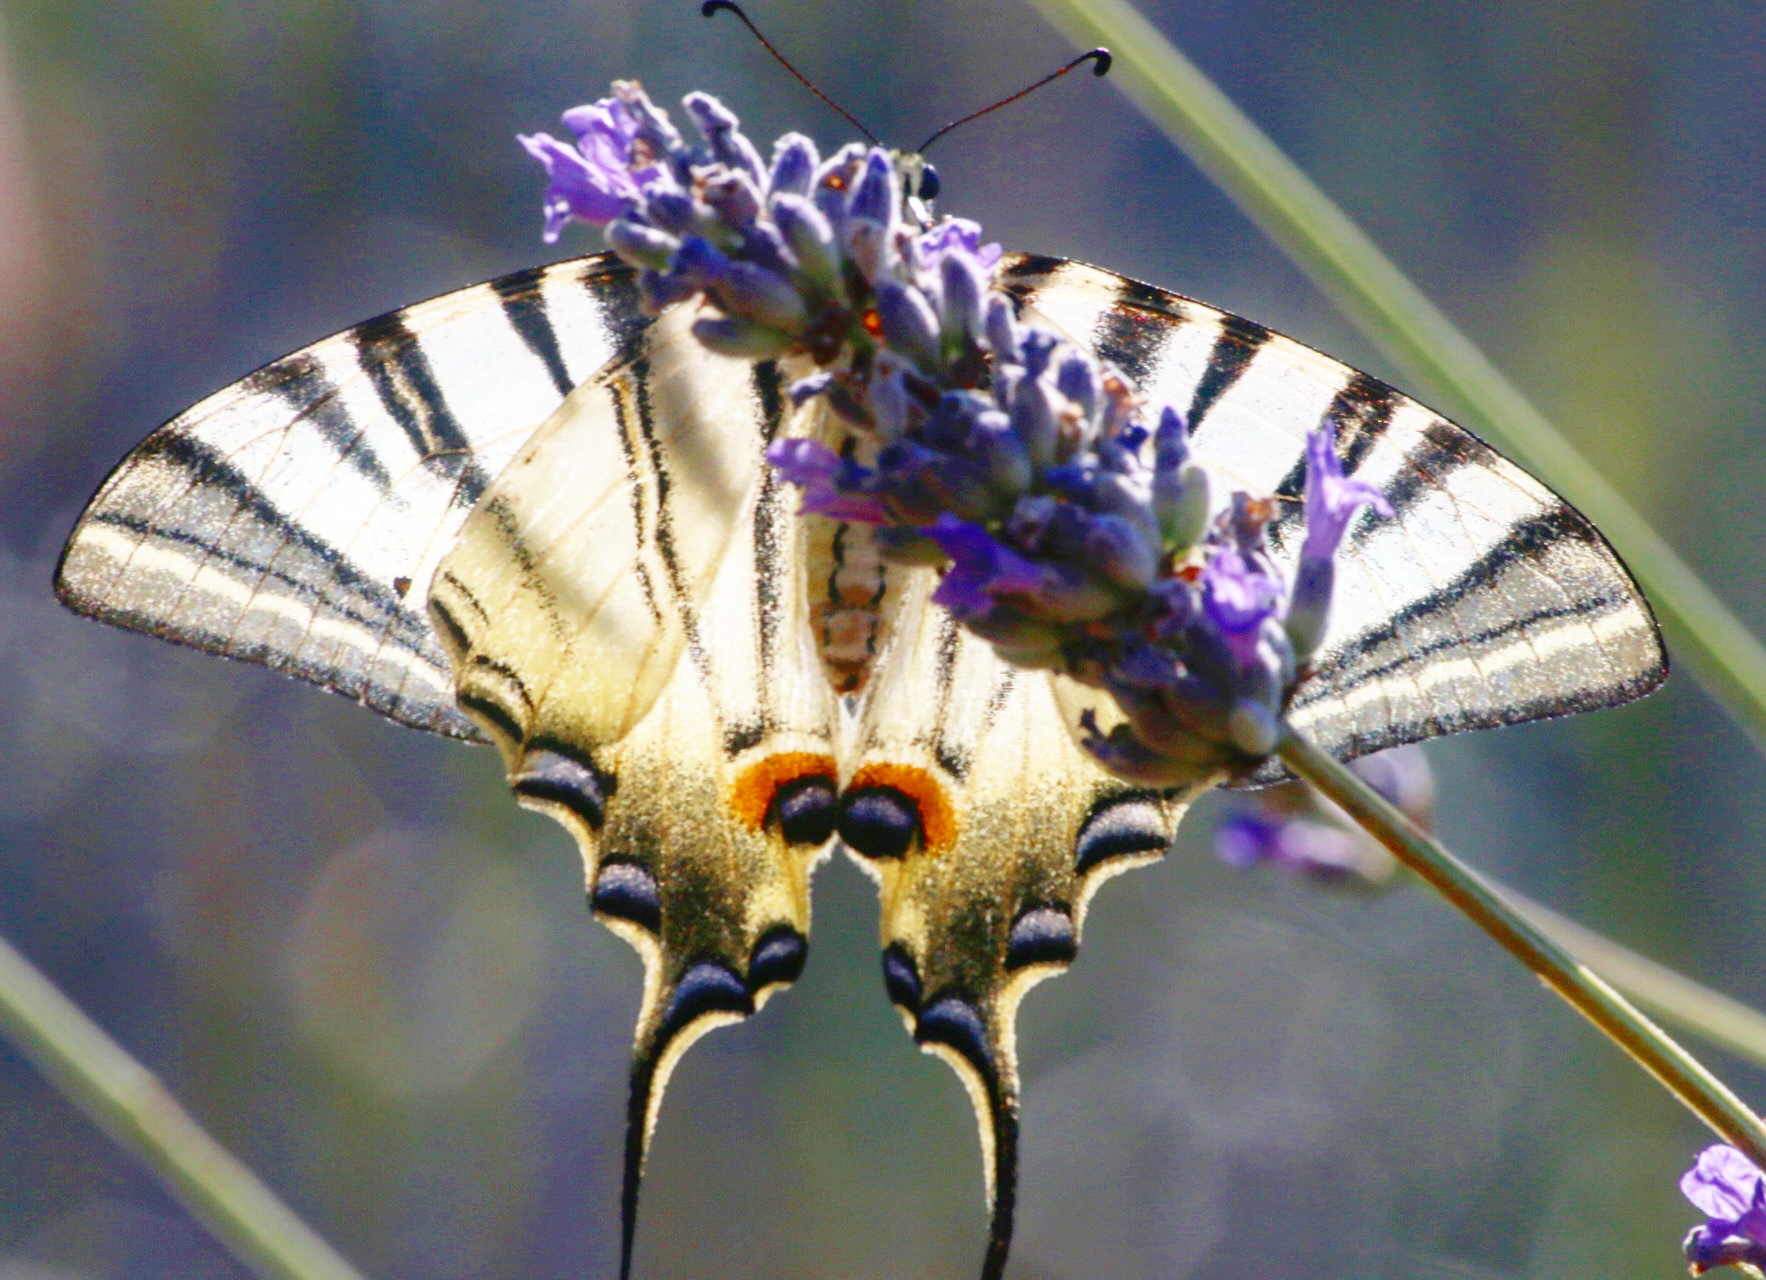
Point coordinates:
pixel 937 816
pixel 779 778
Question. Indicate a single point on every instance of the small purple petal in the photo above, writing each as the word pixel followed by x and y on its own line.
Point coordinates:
pixel 980 567
pixel 1722 1183
pixel 1332 499
pixel 827 480
pixel 576 188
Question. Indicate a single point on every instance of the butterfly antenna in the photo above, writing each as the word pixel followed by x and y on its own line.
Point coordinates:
pixel 1101 56
pixel 712 6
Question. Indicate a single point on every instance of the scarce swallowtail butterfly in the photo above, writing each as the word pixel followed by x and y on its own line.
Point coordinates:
pixel 524 514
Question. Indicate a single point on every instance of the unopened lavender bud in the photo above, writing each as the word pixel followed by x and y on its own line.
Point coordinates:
pixel 1118 550
pixel 834 182
pixel 653 122
pixel 1033 418
pixel 1068 595
pixel 1184 505
pixel 1002 330
pixel 639 245
pixel 909 327
pixel 701 262
pixel 1021 640
pixel 888 402
pixel 795 161
pixel 657 291
pixel 1309 609
pixel 1002 454
pixel 877 197
pixel 672 211
pixel 1077 379
pixel 1253 727
pixel 754 293
pixel 810 239
pixel 741 339
pixel 723 133
pixel 964 291
pixel 1037 348
pixel 1118 405
pixel 735 196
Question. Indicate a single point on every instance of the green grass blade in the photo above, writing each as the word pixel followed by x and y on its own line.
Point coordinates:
pixel 130 1104
pixel 1584 990
pixel 1719 651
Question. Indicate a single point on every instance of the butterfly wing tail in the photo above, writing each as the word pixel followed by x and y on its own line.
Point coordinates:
pixel 987 828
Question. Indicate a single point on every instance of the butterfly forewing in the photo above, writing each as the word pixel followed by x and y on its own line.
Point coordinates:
pixel 295 519
pixel 1485 599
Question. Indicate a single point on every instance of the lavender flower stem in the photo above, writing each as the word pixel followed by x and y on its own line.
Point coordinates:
pixel 1648 1045
pixel 128 1102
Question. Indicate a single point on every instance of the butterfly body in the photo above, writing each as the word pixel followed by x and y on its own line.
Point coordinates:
pixel 524 514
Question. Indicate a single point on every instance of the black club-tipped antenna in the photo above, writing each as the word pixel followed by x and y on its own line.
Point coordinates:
pixel 712 6
pixel 1100 56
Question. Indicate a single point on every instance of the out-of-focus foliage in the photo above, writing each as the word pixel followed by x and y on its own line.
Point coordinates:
pixel 372 976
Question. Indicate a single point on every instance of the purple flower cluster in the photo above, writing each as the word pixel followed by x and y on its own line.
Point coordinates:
pixel 803 253
pixel 1293 827
pixel 1070 534
pixel 1730 1191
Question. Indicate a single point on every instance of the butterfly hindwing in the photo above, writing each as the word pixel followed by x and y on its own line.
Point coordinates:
pixel 295 518
pixel 1485 600
pixel 625 610
pixel 987 828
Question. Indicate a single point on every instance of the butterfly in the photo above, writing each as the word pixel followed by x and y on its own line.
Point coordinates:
pixel 524 514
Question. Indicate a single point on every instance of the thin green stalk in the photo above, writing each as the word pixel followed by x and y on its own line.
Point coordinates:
pixel 1719 651
pixel 1660 991
pixel 1649 1046
pixel 125 1099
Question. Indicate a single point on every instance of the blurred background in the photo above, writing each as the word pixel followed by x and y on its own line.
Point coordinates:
pixel 373 977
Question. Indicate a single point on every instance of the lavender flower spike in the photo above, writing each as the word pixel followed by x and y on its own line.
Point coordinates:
pixel 1070 534
pixel 1730 1191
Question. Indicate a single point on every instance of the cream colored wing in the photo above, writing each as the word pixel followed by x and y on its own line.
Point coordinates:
pixel 626 615
pixel 988 829
pixel 295 518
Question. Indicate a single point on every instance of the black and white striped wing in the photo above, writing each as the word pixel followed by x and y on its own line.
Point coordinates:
pixel 1486 601
pixel 295 519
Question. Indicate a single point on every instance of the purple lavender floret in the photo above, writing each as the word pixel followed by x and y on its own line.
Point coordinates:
pixel 1332 501
pixel 1730 1190
pixel 595 180
pixel 1072 533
